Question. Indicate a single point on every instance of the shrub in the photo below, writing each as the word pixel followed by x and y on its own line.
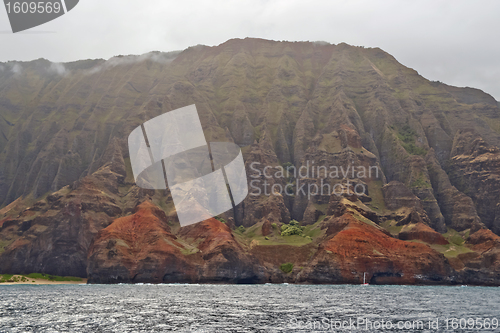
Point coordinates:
pixel 286 268
pixel 241 229
pixel 292 229
pixel 266 238
pixel 220 219
pixel 274 225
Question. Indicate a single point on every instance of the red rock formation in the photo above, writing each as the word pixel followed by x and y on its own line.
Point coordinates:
pixel 267 228
pixel 141 248
pixel 483 239
pixel 357 248
pixel 224 259
pixel 138 248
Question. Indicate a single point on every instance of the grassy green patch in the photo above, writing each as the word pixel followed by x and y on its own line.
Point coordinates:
pixel 455 237
pixel 287 267
pixel 493 123
pixel 52 277
pixel 5 277
pixel 375 191
pixel 390 225
pixel 466 233
pixel 314 230
pixel 321 218
pixel 290 234
pixel 450 250
pixel 321 207
pixel 293 240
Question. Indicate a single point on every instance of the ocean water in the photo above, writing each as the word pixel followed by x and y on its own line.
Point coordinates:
pixel 248 308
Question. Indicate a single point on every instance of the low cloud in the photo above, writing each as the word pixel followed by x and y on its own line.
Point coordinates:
pixel 158 57
pixel 16 69
pixel 320 43
pixel 57 68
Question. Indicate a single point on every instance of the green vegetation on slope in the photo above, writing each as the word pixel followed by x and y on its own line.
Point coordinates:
pixel 52 277
pixel 292 234
pixel 407 136
pixel 450 250
pixel 287 267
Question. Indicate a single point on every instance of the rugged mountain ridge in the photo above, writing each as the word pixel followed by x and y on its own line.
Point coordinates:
pixel 69 196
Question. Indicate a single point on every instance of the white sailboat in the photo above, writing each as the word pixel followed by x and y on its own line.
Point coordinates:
pixel 364 279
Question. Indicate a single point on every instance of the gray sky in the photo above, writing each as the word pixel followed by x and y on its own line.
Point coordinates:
pixel 455 42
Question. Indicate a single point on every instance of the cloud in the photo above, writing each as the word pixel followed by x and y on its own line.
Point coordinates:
pixel 57 68
pixel 155 56
pixel 16 69
pixel 320 43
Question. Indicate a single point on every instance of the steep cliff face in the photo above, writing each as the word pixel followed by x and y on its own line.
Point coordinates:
pixel 475 169
pixel 429 152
